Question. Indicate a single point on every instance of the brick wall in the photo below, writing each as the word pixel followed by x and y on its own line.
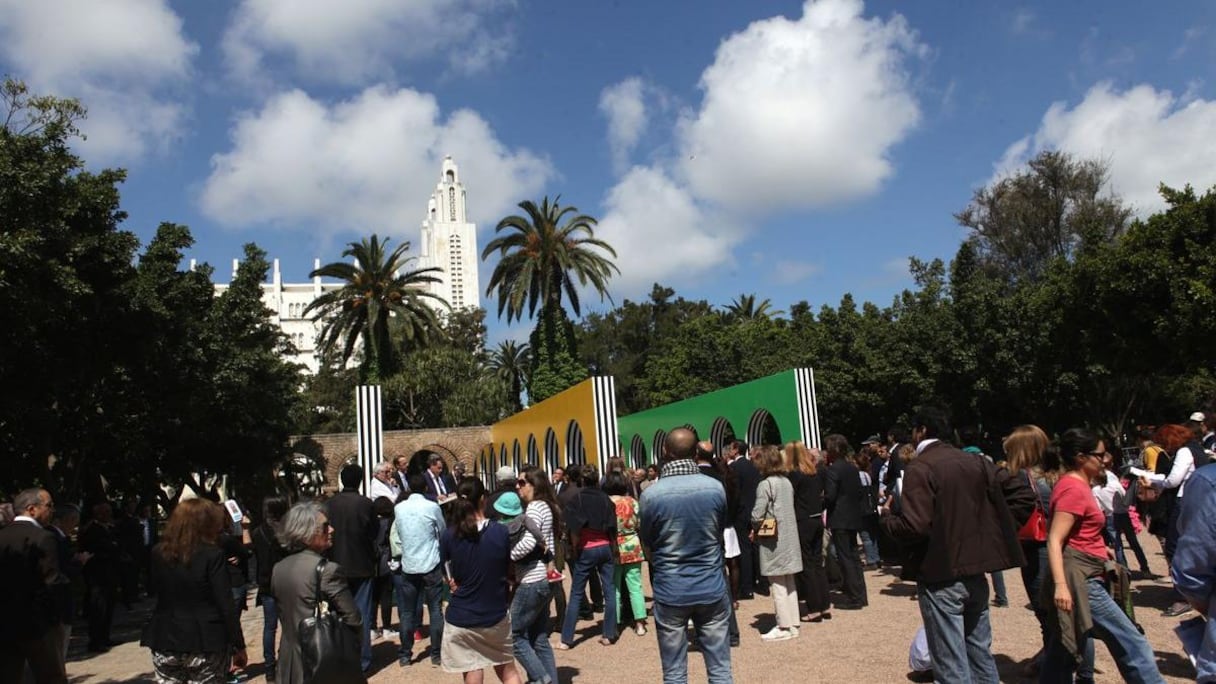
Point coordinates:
pixel 336 450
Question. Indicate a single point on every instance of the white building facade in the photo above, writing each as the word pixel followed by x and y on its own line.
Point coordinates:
pixel 449 242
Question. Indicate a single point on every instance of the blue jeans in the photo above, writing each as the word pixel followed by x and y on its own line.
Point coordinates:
pixel 361 589
pixel 998 588
pixel 415 588
pixel 1127 645
pixel 869 545
pixel 598 560
pixel 1120 525
pixel 270 624
pixel 530 631
pixel 711 623
pixel 959 634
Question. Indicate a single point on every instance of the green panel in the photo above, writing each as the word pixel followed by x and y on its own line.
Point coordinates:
pixel 776 393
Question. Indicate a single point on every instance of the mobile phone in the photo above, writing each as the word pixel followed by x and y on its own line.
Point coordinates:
pixel 234 510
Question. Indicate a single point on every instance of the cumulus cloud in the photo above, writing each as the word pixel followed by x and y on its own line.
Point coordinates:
pixel 802 112
pixel 1146 135
pixel 364 164
pixel 795 114
pixel 357 41
pixel 659 231
pixel 624 107
pixel 124 59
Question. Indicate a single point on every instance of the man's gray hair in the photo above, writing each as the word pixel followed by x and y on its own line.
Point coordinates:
pixel 26 498
pixel 434 458
pixel 386 467
pixel 300 525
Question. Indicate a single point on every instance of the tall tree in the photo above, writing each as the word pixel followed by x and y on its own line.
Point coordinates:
pixel 380 296
pixel 509 361
pixel 542 255
pixel 746 307
pixel 1046 211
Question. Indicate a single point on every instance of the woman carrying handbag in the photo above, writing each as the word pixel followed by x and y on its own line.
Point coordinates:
pixel 775 532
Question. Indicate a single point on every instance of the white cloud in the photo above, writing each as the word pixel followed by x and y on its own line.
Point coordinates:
pixel 795 114
pixel 1023 20
pixel 1147 136
pixel 366 164
pixel 789 272
pixel 625 109
pixel 122 58
pixel 661 233
pixel 357 41
pixel 802 113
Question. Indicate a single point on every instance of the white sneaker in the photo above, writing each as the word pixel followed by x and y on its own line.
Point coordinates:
pixel 778 634
pixel 640 630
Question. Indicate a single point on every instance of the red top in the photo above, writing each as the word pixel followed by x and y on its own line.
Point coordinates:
pixel 1074 496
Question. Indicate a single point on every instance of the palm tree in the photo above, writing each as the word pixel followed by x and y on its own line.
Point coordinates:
pixel 510 363
pixel 379 299
pixel 744 307
pixel 541 257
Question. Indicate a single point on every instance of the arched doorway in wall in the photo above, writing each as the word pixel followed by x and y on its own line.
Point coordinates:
pixel 515 452
pixel 720 433
pixel 576 449
pixel 533 452
pixel 485 464
pixel 637 452
pixel 656 445
pixel 418 461
pixel 762 429
pixel 552 447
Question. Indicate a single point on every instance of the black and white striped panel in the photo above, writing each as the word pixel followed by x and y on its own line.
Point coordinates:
pixel 369 431
pixel 607 437
pixel 808 408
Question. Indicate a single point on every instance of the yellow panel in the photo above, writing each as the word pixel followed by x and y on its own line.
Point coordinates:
pixel 556 412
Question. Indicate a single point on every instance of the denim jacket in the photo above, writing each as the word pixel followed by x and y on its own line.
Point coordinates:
pixel 1194 565
pixel 682 520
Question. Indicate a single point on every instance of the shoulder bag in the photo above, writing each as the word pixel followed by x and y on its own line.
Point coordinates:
pixel 330 649
pixel 1035 529
pixel 768 524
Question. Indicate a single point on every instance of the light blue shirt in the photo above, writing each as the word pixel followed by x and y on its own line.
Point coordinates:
pixel 418 522
pixel 682 518
pixel 1194 565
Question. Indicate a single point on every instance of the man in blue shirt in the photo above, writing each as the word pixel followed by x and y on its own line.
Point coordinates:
pixel 417 525
pixel 1194 565
pixel 682 518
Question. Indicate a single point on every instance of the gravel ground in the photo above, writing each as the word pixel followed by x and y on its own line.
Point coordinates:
pixel 870 645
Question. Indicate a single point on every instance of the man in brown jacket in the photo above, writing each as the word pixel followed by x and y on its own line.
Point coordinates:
pixel 959 521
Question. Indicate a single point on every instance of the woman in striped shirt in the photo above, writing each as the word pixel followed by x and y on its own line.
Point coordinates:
pixel 530 624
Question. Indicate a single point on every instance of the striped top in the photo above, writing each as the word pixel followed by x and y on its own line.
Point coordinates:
pixel 539 513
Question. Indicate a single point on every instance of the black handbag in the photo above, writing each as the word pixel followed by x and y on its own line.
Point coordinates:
pixel 330 649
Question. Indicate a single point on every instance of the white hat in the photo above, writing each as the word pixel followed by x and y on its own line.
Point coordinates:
pixel 1198 416
pixel 505 474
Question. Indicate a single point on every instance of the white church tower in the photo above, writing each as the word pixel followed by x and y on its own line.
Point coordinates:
pixel 449 241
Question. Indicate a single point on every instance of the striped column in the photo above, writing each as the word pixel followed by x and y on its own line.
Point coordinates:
pixel 808 407
pixel 369 431
pixel 607 432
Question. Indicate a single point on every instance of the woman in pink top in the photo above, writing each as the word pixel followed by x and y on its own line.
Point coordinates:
pixel 1076 554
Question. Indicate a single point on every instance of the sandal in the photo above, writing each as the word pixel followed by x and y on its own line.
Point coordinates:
pixel 808 618
pixel 605 641
pixel 562 646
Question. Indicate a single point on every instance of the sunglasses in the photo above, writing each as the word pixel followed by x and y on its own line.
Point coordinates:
pixel 521 483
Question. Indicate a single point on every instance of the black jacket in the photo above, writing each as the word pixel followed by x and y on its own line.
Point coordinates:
pixel 194 610
pixel 842 491
pixel 355 528
pixel 267 552
pixel 748 478
pixel 29 581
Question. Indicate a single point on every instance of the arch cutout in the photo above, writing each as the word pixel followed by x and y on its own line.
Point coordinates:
pixel 637 452
pixel 763 429
pixel 656 447
pixel 720 432
pixel 533 453
pixel 576 448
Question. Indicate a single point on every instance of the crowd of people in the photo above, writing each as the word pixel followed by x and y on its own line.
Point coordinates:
pixel 710 524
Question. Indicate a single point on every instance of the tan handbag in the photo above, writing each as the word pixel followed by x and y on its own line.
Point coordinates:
pixel 768 524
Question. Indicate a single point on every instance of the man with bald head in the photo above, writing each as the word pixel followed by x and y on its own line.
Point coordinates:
pixel 682 519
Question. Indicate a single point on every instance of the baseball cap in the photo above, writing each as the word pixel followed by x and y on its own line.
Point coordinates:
pixel 1198 416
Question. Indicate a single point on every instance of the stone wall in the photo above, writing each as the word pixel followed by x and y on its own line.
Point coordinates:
pixel 333 451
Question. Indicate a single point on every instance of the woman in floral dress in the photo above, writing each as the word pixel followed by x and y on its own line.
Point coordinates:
pixel 628 548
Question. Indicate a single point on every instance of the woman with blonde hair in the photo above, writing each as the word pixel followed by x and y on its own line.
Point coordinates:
pixel 1026 457
pixel 780 558
pixel 807 480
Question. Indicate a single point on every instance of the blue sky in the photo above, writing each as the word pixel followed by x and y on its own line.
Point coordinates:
pixel 792 150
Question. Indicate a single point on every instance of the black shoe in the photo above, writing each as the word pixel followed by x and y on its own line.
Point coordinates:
pixel 921 676
pixel 746 597
pixel 734 642
pixel 270 675
pixel 852 605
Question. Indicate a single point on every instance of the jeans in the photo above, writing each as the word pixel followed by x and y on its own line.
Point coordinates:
pixel 1001 597
pixel 1127 645
pixel 1120 525
pixel 869 540
pixel 959 634
pixel 270 624
pixel 361 589
pixel 413 589
pixel 595 560
pixel 530 631
pixel 710 621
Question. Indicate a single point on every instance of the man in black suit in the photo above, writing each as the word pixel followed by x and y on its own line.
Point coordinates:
pixel 29 588
pixel 748 478
pixel 71 564
pixel 438 481
pixel 101 575
pixel 559 482
pixel 402 475
pixel 842 492
pixel 355 526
